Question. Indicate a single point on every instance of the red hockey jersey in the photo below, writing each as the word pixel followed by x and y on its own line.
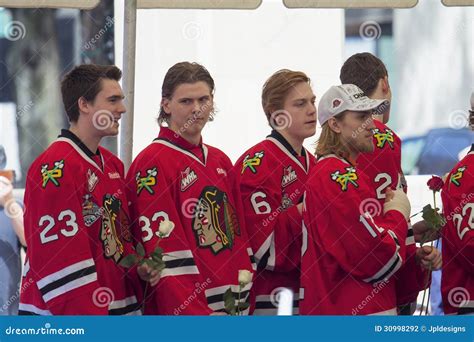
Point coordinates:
pixel 383 169
pixel 348 255
pixel 457 282
pixel 194 187
pixel 272 178
pixel 77 230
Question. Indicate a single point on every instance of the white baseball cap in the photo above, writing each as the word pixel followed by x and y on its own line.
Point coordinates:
pixel 344 97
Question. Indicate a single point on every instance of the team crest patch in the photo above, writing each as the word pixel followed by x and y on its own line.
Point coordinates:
pixel 289 176
pixel 90 211
pixel 457 176
pixel 52 175
pixel 344 179
pixel 188 178
pixel 92 180
pixel 252 163
pixel 215 222
pixel 146 182
pixel 114 232
pixel 383 137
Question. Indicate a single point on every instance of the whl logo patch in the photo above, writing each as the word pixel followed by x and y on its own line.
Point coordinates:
pixel 188 178
pixel 289 176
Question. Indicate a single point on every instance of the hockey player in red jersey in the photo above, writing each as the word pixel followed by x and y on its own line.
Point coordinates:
pixel 349 255
pixel 272 178
pixel 383 168
pixel 457 280
pixel 180 179
pixel 76 214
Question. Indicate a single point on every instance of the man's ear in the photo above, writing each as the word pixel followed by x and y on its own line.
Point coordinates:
pixel 83 105
pixel 385 85
pixel 334 125
pixel 165 103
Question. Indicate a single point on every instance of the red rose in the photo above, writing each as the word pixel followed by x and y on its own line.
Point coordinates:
pixel 435 183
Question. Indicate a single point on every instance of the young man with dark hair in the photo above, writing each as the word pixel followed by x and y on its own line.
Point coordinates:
pixel 76 212
pixel 383 167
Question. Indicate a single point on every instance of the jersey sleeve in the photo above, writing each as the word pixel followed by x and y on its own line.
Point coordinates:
pixel 150 194
pixel 274 231
pixel 369 248
pixel 61 262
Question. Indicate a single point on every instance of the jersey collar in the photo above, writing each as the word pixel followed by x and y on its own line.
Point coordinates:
pixel 176 142
pixel 278 139
pixel 68 137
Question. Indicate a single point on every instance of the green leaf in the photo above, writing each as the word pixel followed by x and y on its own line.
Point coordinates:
pixel 229 302
pixel 129 261
pixel 157 254
pixel 434 220
pixel 140 249
pixel 243 306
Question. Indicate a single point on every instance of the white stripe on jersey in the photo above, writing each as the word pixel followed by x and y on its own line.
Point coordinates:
pixel 168 256
pixel 395 263
pixel 64 272
pixel 176 271
pixel 264 248
pixel 70 286
pixel 220 290
pixel 252 258
pixel 178 256
pixel 123 303
pixel 34 309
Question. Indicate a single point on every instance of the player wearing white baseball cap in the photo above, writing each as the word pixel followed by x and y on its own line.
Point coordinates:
pixel 348 248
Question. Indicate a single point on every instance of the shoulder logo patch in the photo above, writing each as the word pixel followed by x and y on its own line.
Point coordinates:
pixel 456 177
pixel 344 179
pixel 92 180
pixel 289 176
pixel 188 178
pixel 146 182
pixel 52 175
pixel 383 137
pixel 252 163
